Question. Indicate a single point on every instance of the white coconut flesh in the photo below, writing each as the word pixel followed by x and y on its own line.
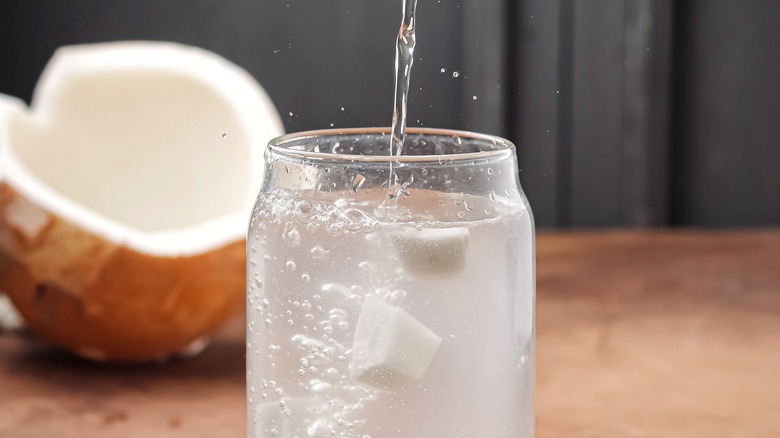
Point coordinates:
pixel 153 146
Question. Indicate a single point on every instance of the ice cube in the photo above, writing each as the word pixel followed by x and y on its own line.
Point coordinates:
pixel 432 252
pixel 391 347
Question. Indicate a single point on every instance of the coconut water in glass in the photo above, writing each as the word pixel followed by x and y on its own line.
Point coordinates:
pixel 390 295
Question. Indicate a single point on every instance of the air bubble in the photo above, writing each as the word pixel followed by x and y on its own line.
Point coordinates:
pixel 318 252
pixel 305 278
pixel 303 207
pixel 318 385
pixel 335 289
pixel 291 236
pixel 455 74
pixel 290 265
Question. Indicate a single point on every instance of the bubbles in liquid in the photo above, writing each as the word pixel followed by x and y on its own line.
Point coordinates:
pixel 318 252
pixel 455 74
pixel 336 290
pixel 318 385
pixel 303 208
pixel 321 428
pixel 290 265
pixel 291 236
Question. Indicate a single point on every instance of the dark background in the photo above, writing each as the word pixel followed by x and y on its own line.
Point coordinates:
pixel 625 112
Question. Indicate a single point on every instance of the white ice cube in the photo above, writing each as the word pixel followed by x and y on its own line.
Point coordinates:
pixel 391 347
pixel 432 252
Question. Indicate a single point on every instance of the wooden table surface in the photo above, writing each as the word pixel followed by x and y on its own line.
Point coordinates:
pixel 639 334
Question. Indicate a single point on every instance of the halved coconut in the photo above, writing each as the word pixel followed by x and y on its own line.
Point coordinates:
pixel 125 195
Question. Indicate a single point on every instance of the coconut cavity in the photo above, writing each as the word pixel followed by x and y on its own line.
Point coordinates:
pixel 154 152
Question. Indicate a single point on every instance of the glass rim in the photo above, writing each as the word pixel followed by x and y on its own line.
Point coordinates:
pixel 502 147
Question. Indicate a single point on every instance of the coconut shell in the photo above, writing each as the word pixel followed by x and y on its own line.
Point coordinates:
pixel 104 301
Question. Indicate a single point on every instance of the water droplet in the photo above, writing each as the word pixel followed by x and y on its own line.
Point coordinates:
pixel 454 75
pixel 473 97
pixel 443 70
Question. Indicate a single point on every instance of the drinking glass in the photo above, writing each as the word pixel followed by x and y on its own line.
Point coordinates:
pixel 390 296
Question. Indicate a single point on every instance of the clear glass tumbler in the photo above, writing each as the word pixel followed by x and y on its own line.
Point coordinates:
pixel 404 312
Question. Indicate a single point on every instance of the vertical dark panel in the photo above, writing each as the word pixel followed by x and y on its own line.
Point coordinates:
pixel 536 104
pixel 597 108
pixel 485 57
pixel 727 150
pixel 646 113
pixel 592 110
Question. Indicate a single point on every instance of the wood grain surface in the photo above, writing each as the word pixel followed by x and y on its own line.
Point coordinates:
pixel 639 334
